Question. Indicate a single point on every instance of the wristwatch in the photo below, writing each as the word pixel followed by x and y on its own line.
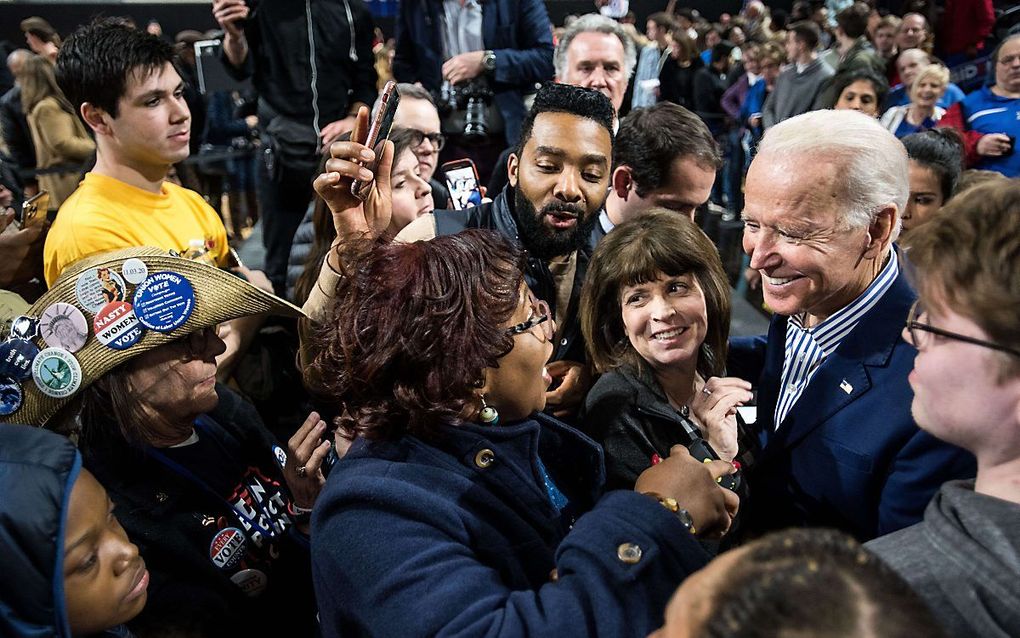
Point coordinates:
pixel 489 61
pixel 672 505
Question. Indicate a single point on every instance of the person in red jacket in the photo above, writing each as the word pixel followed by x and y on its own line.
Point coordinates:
pixel 964 26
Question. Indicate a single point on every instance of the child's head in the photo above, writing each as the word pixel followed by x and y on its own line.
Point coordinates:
pixel 92 578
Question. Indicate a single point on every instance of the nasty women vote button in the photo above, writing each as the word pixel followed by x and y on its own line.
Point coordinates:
pixel 116 326
pixel 164 301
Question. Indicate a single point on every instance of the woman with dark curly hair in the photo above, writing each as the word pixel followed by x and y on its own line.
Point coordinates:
pixel 461 509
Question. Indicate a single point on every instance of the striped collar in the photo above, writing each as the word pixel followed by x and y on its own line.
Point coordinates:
pixel 833 329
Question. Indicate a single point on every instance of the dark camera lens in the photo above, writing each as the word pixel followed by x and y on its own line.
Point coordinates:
pixel 476 127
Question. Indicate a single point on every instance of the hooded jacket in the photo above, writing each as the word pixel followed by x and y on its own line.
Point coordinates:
pixel 963 559
pixel 37 471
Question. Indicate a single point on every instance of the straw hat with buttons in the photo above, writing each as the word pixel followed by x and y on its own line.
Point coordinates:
pixel 170 298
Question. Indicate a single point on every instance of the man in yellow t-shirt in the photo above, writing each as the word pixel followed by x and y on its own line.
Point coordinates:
pixel 131 96
pixel 105 213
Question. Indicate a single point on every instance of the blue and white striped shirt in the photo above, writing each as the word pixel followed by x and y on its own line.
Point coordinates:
pixel 807 348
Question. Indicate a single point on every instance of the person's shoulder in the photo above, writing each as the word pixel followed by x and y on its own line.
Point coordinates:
pixel 46 106
pixel 614 391
pixel 189 197
pixel 421 229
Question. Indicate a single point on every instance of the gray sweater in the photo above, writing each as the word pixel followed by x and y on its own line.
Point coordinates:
pixel 963 559
pixel 795 93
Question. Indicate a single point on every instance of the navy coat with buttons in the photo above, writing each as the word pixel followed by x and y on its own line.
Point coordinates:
pixel 517 31
pixel 458 537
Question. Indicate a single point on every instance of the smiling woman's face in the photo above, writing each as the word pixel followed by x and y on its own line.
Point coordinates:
pixel 666 320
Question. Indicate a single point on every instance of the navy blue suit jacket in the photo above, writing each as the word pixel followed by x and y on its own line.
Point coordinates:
pixel 848 454
pixel 517 31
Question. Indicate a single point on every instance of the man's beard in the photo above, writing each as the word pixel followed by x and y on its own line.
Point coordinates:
pixel 544 242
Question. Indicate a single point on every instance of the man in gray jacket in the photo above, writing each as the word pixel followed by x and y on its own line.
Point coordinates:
pixel 799 84
pixel 964 557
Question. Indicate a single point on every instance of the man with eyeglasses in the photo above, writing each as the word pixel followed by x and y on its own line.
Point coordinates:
pixel 962 559
pixel 840 449
pixel 989 118
pixel 417 112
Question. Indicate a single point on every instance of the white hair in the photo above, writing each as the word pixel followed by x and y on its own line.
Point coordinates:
pixel 593 22
pixel 873 168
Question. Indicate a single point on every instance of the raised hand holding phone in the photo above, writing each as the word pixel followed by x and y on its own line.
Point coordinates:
pixel 351 215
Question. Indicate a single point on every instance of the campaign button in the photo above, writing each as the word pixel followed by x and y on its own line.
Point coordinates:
pixel 164 301
pixel 16 357
pixel 227 548
pixel 134 270
pixel 25 327
pixel 64 326
pixel 251 581
pixel 97 287
pixel 281 456
pixel 56 372
pixel 116 326
pixel 10 396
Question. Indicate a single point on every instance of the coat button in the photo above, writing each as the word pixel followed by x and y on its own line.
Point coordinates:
pixel 629 553
pixel 485 458
pixel 554 575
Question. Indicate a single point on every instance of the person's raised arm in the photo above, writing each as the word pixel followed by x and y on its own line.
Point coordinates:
pixel 352 216
pixel 230 15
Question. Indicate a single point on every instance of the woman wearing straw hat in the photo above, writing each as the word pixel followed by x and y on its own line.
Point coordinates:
pixel 215 505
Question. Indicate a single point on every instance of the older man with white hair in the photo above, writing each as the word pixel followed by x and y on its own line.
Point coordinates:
pixel 596 53
pixel 840 449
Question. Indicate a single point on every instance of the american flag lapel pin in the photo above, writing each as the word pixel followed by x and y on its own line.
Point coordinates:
pixel 846 387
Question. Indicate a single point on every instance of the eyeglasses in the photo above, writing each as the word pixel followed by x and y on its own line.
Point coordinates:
pixel 919 333
pixel 437 139
pixel 199 342
pixel 540 316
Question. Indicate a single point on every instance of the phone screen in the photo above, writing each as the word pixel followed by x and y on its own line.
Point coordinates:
pixel 463 184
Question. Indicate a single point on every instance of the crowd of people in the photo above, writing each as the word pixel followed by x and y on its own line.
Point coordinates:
pixel 516 409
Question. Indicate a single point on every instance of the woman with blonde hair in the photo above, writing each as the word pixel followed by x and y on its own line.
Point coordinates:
pixel 60 138
pixel 923 112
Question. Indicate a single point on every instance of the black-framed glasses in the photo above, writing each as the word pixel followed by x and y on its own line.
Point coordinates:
pixel 437 139
pixel 919 333
pixel 540 316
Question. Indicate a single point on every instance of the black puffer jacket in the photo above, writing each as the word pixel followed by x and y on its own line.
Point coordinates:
pixel 37 471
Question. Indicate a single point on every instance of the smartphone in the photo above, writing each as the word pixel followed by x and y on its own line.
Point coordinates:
pixel 462 180
pixel 378 132
pixel 33 211
pixel 701 450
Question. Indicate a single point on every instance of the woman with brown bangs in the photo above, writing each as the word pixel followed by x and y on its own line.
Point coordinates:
pixel 655 312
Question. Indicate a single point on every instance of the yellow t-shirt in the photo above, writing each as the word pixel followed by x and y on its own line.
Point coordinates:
pixel 106 214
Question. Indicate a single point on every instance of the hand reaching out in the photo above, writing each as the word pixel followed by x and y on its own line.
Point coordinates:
pixel 305 453
pixel 348 161
pixel 715 408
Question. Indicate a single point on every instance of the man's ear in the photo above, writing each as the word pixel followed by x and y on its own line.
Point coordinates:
pixel 512 164
pixel 621 182
pixel 96 118
pixel 880 232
